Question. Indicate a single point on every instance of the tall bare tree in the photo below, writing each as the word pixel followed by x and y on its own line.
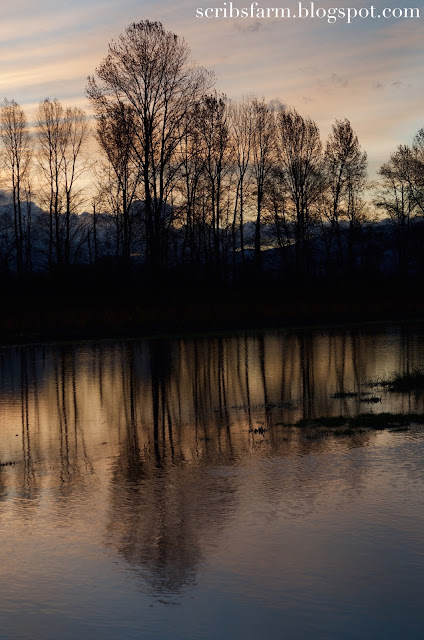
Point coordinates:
pixel 76 133
pixel 116 136
pixel 191 156
pixel 50 157
pixel 300 158
pixel 61 135
pixel 396 197
pixel 242 131
pixel 149 70
pixel 345 169
pixel 413 168
pixel 263 160
pixel 213 121
pixel 16 157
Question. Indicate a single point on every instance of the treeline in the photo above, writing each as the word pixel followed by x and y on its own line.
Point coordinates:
pixel 186 179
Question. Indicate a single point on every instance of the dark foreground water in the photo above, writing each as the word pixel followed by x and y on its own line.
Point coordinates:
pixel 154 489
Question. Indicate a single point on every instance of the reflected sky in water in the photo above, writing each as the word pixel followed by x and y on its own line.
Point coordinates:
pixel 151 489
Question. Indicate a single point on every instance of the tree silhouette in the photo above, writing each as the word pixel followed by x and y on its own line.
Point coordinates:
pixel 396 197
pixel 263 160
pixel 345 168
pixel 300 158
pixel 16 156
pixel 61 135
pixel 149 71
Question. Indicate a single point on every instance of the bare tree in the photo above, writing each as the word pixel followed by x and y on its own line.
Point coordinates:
pixel 413 168
pixel 50 158
pixel 213 121
pixel 345 169
pixel 263 161
pixel 16 156
pixel 300 158
pixel 149 70
pixel 278 206
pixel 61 135
pixel 116 136
pixel 396 197
pixel 242 131
pixel 75 135
pixel 191 156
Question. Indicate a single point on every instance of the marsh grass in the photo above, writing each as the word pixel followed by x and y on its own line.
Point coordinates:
pixel 363 396
pixel 342 425
pixel 405 383
pixel 401 382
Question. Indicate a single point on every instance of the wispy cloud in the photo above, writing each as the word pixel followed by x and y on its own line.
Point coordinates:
pixel 250 27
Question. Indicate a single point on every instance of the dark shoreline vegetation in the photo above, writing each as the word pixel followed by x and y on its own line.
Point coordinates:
pixel 196 212
pixel 87 307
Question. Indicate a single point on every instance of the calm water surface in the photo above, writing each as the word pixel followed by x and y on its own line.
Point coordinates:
pixel 152 489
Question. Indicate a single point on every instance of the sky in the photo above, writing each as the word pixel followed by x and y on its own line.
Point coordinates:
pixel 369 71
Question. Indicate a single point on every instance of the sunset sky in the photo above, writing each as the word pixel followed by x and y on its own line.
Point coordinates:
pixel 369 71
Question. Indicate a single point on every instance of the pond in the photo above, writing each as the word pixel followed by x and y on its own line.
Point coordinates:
pixel 183 488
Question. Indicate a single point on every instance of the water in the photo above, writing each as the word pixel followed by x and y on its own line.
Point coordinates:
pixel 152 489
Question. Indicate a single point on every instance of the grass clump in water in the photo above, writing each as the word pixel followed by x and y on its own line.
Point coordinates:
pixel 371 421
pixel 406 382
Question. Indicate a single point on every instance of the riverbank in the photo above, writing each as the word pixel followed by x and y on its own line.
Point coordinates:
pixel 69 313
